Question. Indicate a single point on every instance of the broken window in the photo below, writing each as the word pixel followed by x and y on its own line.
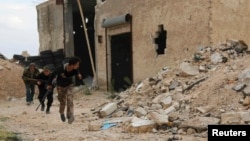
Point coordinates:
pixel 160 40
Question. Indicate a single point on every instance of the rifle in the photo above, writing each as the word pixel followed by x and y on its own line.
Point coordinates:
pixel 48 91
pixel 31 79
pixel 45 95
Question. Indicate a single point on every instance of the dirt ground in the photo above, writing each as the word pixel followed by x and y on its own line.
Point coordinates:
pixel 32 125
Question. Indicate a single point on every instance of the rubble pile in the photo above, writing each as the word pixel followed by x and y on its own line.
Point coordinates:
pixel 212 87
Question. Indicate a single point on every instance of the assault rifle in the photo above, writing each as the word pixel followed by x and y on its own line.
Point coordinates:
pixel 31 79
pixel 48 91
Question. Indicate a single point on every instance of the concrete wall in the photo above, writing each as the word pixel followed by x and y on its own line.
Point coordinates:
pixel 68 29
pixel 230 20
pixel 186 22
pixel 190 24
pixel 50 26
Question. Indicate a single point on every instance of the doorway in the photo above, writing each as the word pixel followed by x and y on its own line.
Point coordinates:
pixel 121 62
pixel 80 40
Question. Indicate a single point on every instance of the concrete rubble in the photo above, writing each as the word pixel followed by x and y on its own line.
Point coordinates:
pixel 178 101
pixel 163 103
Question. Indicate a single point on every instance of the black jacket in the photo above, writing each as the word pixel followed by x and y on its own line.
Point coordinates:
pixel 63 77
pixel 44 80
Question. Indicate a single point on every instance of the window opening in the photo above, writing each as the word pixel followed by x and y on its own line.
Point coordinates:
pixel 161 40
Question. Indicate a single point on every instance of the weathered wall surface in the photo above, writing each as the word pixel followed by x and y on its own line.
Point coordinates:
pixel 186 22
pixel 190 24
pixel 230 20
pixel 50 26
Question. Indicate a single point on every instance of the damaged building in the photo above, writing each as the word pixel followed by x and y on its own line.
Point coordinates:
pixel 124 41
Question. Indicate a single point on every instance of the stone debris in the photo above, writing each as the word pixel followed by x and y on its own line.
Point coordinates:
pixel 205 109
pixel 188 69
pixel 94 126
pixel 138 125
pixel 108 109
pixel 235 118
pixel 160 119
pixel 164 101
pixel 176 101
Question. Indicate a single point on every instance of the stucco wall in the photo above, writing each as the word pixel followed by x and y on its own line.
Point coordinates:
pixel 50 26
pixel 230 20
pixel 186 22
pixel 189 24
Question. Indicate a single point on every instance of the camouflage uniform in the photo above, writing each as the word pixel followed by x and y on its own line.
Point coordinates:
pixel 64 85
pixel 65 97
pixel 30 84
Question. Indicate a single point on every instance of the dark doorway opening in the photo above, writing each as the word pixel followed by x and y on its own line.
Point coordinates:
pixel 121 62
pixel 80 40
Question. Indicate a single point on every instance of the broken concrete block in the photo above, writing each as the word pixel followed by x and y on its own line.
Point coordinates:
pixel 166 102
pixel 158 98
pixel 246 91
pixel 235 118
pixel 140 112
pixel 108 109
pixel 188 69
pixel 147 91
pixel 94 126
pixel 173 85
pixel 204 109
pixel 143 86
pixel 216 58
pixel 169 110
pixel 155 107
pixel 160 119
pixel 239 87
pixel 141 126
pixel 118 114
pixel 245 74
pixel 246 101
pixel 202 68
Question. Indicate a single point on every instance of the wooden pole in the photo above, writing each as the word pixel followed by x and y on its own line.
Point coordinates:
pixel 87 39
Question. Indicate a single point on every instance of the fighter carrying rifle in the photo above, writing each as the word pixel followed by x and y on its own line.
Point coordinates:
pixel 31 72
pixel 44 90
pixel 64 80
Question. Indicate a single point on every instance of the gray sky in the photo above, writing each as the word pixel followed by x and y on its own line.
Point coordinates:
pixel 18 27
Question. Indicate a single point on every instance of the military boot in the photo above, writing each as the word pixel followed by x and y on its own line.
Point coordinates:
pixel 48 110
pixel 42 108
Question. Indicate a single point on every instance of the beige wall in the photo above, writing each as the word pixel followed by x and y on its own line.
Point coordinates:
pixel 189 23
pixel 187 28
pixel 230 20
pixel 50 26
